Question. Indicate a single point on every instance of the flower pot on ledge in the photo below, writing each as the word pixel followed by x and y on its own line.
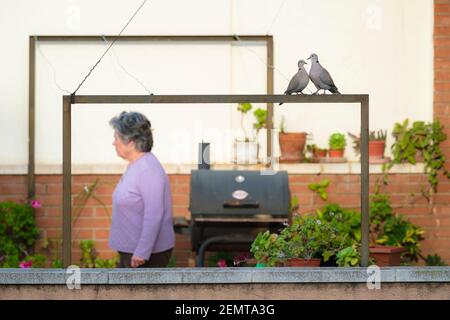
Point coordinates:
pixel 386 256
pixel 292 145
pixel 298 262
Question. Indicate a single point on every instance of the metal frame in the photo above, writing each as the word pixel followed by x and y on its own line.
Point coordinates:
pixel 68 101
pixel 268 39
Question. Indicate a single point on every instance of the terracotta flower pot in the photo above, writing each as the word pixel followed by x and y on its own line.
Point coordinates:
pixel 320 153
pixel 298 262
pixel 291 146
pixel 336 153
pixel 376 149
pixel 385 256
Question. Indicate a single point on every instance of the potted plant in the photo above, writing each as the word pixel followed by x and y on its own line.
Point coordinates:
pixel 337 145
pixel 246 150
pixel 292 145
pixel 377 145
pixel 392 238
pixel 307 241
pixel 265 249
pixel 317 153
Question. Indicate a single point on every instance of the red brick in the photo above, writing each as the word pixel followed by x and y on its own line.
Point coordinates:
pixel 102 234
pixel 48 223
pixel 178 199
pixel 182 211
pixel 13 198
pixel 441 30
pixel 89 179
pixel 301 178
pixel 345 199
pixel 86 234
pixel 299 188
pixel 13 179
pixel 50 200
pixel 423 222
pixel 92 223
pixel 181 189
pixel 53 211
pixel 442 86
pixel 48 179
pixel 56 189
pixel 441 8
pixel 101 212
pixel 13 189
pixel 82 212
pixel 104 200
pixel 53 234
pixel 183 179
pixel 414 211
pixel 441 20
pixel 442 199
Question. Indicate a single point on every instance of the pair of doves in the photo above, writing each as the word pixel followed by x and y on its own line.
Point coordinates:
pixel 318 75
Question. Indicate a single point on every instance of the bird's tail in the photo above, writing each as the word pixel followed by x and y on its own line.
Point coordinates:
pixel 334 90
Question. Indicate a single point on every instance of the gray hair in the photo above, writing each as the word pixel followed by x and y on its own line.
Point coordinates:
pixel 134 126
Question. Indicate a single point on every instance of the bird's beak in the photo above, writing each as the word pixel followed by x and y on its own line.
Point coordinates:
pixel 309 58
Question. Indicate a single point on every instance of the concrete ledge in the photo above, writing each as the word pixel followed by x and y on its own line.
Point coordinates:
pixel 225 275
pixel 228 284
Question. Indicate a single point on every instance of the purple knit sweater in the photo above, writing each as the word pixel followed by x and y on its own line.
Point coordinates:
pixel 142 210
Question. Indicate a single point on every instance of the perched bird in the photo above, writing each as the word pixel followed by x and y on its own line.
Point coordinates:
pixel 299 81
pixel 320 76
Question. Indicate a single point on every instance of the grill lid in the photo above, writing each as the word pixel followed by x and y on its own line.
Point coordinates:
pixel 228 192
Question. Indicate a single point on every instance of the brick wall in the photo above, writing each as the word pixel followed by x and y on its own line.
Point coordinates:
pixel 442 112
pixel 93 222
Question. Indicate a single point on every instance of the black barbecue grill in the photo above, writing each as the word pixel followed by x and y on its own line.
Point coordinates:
pixel 228 208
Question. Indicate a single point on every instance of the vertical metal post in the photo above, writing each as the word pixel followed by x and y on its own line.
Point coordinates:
pixel 31 115
pixel 365 181
pixel 67 182
pixel 269 91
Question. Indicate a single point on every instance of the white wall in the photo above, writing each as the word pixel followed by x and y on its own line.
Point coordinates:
pixel 380 47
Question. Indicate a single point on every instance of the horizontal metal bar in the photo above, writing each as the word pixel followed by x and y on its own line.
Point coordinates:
pixel 111 99
pixel 154 38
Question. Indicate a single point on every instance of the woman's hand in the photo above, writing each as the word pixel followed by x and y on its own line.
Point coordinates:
pixel 136 261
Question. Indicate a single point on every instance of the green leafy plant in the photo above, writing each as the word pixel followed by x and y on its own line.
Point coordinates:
pixel 308 237
pixel 89 257
pixel 18 233
pixel 434 260
pixel 348 257
pixel 379 135
pixel 422 139
pixel 320 188
pixel 337 141
pixel 346 221
pixel 261 119
pixel 265 248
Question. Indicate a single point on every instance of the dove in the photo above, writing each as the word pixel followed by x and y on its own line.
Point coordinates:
pixel 320 76
pixel 299 81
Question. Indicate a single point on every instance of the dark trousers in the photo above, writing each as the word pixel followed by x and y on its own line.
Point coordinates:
pixel 157 260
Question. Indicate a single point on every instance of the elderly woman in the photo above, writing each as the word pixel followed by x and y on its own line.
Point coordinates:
pixel 142 229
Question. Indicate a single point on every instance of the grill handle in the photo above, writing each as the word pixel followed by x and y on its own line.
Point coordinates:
pixel 240 204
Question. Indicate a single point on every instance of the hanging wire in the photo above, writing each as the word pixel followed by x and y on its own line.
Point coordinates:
pixel 276 16
pixel 116 58
pixel 112 43
pixel 50 65
pixel 260 59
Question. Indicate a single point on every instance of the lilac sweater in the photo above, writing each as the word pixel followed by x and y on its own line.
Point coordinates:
pixel 142 210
